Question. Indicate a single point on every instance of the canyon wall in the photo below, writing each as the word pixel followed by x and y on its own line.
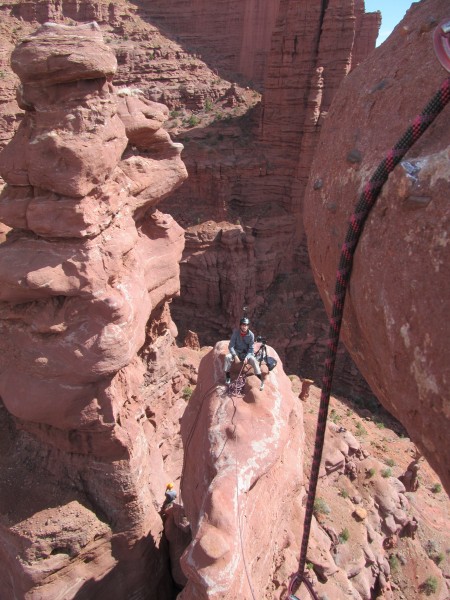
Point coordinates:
pixel 251 173
pixel 396 324
pixel 88 263
pixel 233 38
pixel 91 380
pixel 162 69
pixel 241 172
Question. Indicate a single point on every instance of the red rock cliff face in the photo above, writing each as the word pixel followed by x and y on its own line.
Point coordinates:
pixel 161 68
pixel 233 37
pixel 234 177
pixel 396 322
pixel 51 10
pixel 313 49
pixel 20 18
pixel 256 180
pixel 367 26
pixel 88 263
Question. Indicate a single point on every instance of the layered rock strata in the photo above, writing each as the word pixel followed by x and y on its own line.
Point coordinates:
pixel 161 68
pixel 372 535
pixel 252 173
pixel 86 274
pixel 395 324
pixel 233 177
pixel 241 30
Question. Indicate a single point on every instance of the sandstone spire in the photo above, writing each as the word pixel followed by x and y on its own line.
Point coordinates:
pixel 88 262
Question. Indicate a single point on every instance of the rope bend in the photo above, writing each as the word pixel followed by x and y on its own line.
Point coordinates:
pixel 356 223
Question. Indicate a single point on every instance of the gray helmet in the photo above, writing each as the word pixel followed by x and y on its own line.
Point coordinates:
pixel 244 321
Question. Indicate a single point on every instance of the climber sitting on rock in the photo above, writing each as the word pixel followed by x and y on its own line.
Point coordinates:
pixel 241 348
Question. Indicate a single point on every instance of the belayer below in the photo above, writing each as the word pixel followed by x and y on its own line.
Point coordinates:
pixel 170 495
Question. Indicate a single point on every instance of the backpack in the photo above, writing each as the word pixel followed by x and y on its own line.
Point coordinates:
pixel 270 362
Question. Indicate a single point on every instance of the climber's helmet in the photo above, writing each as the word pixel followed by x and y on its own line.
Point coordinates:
pixel 244 323
pixel 169 486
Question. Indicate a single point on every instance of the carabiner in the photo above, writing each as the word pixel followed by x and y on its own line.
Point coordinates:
pixel 441 43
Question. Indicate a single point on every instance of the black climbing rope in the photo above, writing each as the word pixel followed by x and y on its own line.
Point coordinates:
pixel 356 224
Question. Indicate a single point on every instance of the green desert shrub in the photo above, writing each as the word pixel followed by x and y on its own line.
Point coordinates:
pixel 344 535
pixel 430 585
pixel 321 507
pixel 187 392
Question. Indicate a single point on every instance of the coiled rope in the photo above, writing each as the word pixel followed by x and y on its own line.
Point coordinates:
pixel 237 387
pixel 366 202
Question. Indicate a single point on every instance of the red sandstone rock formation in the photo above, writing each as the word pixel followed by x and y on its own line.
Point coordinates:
pixel 312 51
pixel 235 38
pixel 232 178
pixel 366 32
pixel 241 484
pixel 177 530
pixel 255 178
pixel 88 263
pixel 161 68
pixel 67 535
pixel 230 251
pixel 363 542
pixel 396 320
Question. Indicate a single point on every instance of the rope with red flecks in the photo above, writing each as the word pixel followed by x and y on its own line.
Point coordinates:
pixel 365 203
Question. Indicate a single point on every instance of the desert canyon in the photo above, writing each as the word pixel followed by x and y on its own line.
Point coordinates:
pixel 163 165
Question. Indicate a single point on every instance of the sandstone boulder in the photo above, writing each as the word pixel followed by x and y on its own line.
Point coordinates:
pixel 241 482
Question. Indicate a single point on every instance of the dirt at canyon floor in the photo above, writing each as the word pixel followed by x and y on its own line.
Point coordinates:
pixel 419 565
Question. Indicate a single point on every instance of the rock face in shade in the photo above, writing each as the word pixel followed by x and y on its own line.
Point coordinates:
pixel 367 26
pixel 242 484
pixel 234 37
pixel 396 324
pixel 88 264
pixel 231 253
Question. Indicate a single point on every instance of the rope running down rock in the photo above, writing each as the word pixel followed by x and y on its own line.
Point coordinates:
pixel 366 202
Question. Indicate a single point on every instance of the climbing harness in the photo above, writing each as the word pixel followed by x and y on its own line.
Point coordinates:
pixel 441 43
pixel 366 201
pixel 236 388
